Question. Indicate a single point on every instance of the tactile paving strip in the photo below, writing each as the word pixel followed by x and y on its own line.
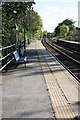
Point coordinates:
pixel 59 101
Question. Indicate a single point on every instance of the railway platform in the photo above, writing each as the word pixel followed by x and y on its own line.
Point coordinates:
pixel 42 89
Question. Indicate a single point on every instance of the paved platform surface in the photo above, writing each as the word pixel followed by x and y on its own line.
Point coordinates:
pixel 63 87
pixel 24 93
pixel 43 89
pixel 0 96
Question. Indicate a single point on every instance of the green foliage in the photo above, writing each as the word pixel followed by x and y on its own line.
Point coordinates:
pixel 61 30
pixel 21 35
pixel 58 37
pixel 45 33
pixel 35 24
pixel 13 12
pixel 50 35
pixel 64 29
pixel 37 35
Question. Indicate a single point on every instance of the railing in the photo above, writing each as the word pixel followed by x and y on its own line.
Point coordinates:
pixel 6 56
pixel 21 43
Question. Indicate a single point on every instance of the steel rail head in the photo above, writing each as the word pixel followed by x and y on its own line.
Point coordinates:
pixel 62 63
pixel 78 62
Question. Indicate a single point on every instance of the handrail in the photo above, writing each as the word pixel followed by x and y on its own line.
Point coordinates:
pixel 5 57
pixel 8 58
pixel 8 46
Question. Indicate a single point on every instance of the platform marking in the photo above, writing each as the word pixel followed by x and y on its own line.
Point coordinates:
pixel 60 104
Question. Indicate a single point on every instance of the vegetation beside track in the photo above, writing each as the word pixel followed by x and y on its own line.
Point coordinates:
pixel 65 30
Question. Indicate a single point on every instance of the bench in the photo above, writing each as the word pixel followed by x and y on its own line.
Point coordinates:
pixel 22 51
pixel 18 58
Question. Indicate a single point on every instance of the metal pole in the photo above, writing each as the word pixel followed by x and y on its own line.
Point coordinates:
pixel 31 33
pixel 16 36
pixel 24 32
pixel 31 37
pixel 28 30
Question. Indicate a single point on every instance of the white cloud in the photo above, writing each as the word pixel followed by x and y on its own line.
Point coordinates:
pixel 51 16
pixel 56 0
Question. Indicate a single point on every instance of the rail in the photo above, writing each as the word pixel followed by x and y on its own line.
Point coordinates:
pixel 70 71
pixel 21 43
pixel 6 57
pixel 78 62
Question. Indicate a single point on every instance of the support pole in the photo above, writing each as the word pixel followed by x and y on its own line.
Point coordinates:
pixel 24 32
pixel 28 31
pixel 16 36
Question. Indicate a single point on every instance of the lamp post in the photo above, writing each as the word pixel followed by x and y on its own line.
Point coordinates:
pixel 24 32
pixel 28 19
pixel 16 32
pixel 17 37
pixel 28 30
pixel 31 26
pixel 30 4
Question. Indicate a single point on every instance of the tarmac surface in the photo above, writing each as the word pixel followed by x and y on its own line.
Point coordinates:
pixel 24 93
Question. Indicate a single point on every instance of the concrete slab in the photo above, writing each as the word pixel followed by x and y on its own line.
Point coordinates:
pixel 66 81
pixel 25 94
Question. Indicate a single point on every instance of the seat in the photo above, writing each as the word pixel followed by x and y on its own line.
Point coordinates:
pixel 18 58
pixel 22 51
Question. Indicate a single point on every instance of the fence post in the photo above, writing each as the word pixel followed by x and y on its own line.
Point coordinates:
pixel 10 53
pixel 19 49
pixel 6 59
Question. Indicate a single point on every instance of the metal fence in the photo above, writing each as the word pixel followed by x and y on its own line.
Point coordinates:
pixel 6 56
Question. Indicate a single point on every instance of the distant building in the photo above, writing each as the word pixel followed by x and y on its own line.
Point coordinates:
pixel 79 14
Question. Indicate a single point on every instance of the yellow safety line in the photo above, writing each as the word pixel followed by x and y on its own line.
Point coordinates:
pixel 60 104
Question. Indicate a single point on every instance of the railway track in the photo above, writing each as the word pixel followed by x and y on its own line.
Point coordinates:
pixel 70 52
pixel 67 58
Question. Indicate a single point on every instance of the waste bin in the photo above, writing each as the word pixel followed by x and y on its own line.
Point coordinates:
pixel 29 41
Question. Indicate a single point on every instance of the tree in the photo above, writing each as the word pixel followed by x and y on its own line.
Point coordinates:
pixel 64 29
pixel 45 33
pixel 69 23
pixel 13 12
pixel 50 35
pixel 35 23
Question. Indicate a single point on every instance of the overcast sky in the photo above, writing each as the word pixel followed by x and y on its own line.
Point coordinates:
pixel 53 12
